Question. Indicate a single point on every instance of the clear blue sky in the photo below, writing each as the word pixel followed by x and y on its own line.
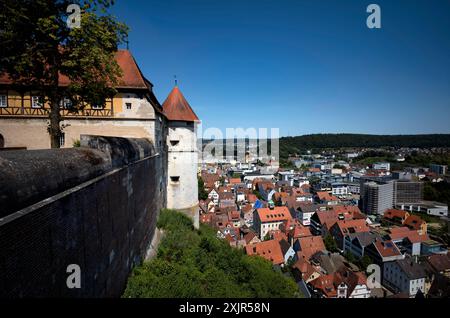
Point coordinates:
pixel 303 66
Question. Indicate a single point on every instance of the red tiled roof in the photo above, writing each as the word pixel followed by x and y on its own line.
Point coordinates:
pixel 270 250
pixel 394 213
pixel 176 107
pixel 398 233
pixel 310 245
pixel 325 283
pixel 278 236
pixel 249 236
pixel 132 76
pixel 233 216
pixel 387 248
pixel 300 231
pixel 234 180
pixel 251 198
pixel 414 222
pixel 279 213
pixel 352 226
pixel 325 196
pixel 305 268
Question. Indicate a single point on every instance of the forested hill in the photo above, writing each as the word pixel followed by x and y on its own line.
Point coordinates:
pixel 294 144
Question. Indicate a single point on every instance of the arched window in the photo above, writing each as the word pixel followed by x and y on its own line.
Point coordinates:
pixel 2 141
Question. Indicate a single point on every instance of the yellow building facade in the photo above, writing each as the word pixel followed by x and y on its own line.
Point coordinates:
pixel 133 112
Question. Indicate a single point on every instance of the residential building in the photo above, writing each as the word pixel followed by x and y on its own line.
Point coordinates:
pixel 342 284
pixel 382 251
pixel 356 243
pixel 342 228
pixel 414 222
pixel 214 196
pixel 308 246
pixel 305 211
pixel 267 219
pixel 407 240
pixel 404 276
pixel 339 189
pixel 324 197
pixel 323 220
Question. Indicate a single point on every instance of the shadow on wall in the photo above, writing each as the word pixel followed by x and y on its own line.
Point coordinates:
pixel 95 206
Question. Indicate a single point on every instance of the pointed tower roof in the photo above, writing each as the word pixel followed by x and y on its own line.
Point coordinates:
pixel 176 107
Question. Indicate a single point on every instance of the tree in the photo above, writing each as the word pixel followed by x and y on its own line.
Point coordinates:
pixel 42 41
pixel 364 262
pixel 330 243
pixel 202 193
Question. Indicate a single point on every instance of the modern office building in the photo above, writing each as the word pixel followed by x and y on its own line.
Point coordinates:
pixel 408 191
pixel 438 169
pixel 377 195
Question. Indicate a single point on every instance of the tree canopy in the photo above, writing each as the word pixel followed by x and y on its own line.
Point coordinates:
pixel 298 144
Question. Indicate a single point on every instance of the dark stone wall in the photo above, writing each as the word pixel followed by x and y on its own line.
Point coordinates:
pixel 104 224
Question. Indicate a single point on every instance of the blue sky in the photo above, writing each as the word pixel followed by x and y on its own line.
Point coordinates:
pixel 303 66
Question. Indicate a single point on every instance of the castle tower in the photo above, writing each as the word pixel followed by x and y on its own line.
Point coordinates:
pixel 182 185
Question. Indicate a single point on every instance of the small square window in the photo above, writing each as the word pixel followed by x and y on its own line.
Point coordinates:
pixel 3 101
pixel 36 101
pixel 128 105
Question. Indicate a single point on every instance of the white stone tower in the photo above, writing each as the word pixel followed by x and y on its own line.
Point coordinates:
pixel 182 185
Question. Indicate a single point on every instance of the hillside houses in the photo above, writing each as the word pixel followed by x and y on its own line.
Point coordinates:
pixel 289 221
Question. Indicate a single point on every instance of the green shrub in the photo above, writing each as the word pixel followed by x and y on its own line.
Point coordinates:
pixel 194 263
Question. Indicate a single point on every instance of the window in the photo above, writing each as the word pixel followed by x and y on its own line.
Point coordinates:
pixel 3 101
pixel 65 103
pixel 128 105
pixel 62 139
pixel 175 178
pixel 36 101
pixel 97 106
pixel 174 142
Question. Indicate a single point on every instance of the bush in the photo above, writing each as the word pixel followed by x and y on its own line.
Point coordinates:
pixel 193 263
